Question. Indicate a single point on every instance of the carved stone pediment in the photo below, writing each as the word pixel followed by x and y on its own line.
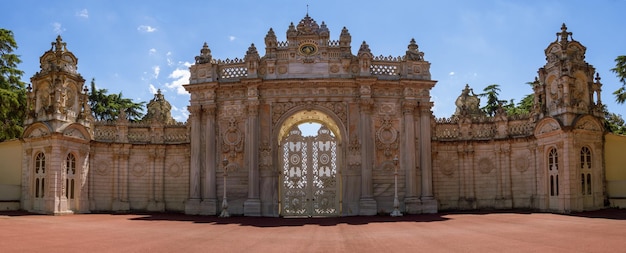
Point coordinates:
pixel 546 126
pixel 589 125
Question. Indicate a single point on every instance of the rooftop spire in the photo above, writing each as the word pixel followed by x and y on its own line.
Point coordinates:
pixel 564 34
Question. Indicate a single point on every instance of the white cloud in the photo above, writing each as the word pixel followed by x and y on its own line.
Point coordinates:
pixel 181 77
pixel 83 13
pixel 181 114
pixel 156 70
pixel 153 89
pixel 451 73
pixel 57 28
pixel 152 51
pixel 146 28
pixel 169 59
pixel 232 38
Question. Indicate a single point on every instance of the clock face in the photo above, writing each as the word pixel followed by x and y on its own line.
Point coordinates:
pixel 308 49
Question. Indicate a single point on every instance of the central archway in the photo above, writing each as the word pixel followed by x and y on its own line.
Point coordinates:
pixel 309 165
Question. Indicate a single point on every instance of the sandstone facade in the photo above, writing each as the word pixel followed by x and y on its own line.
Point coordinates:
pixel 244 139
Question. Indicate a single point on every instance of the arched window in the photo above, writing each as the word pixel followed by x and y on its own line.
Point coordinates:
pixel 70 172
pixel 553 172
pixel 40 175
pixel 585 171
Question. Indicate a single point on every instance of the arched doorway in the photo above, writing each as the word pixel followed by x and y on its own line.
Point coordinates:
pixel 309 158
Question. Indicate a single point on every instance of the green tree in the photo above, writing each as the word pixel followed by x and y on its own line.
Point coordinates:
pixel 524 106
pixel 108 106
pixel 12 89
pixel 493 103
pixel 614 123
pixel 620 71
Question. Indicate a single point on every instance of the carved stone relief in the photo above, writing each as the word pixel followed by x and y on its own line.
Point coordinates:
pixel 339 108
pixel 232 138
pixel 138 169
pixel 447 165
pixel 174 170
pixel 75 133
pixel 354 153
pixel 521 163
pixel 102 168
pixel 265 156
pixel 485 165
pixel 387 137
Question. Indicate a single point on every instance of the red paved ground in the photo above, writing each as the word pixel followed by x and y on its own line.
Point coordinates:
pixel 600 231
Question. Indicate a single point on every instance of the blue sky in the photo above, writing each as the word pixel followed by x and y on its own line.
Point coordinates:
pixel 136 47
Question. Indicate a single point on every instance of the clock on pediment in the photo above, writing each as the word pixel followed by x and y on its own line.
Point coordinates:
pixel 308 49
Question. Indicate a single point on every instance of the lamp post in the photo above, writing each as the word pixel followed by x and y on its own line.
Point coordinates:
pixel 225 213
pixel 396 203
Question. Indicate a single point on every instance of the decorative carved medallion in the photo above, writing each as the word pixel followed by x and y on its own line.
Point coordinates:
pixel 138 169
pixel 175 170
pixel 387 137
pixel 485 165
pixel 308 49
pixel 521 163
pixel 232 139
pixel 102 168
pixel 447 165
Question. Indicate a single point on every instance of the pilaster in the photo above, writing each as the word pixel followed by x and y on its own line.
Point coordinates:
pixel 411 201
pixel 429 203
pixel 252 206
pixel 367 204
pixel 209 196
pixel 192 205
pixel 120 197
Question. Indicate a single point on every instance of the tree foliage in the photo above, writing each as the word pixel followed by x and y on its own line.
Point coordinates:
pixel 493 102
pixel 12 89
pixel 106 106
pixel 524 106
pixel 620 71
pixel 614 123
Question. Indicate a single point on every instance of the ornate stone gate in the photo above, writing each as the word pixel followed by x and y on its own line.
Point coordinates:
pixel 372 108
pixel 309 174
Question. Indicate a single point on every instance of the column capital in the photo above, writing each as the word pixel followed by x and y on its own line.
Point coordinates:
pixel 366 104
pixel 194 110
pixel 408 106
pixel 209 109
pixel 253 107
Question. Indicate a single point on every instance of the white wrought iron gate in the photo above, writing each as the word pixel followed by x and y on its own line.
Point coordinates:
pixel 309 174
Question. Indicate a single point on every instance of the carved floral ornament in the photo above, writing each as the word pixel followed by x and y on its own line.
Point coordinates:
pixel 175 170
pixel 446 165
pixel 387 137
pixel 265 156
pixel 338 108
pixel 521 163
pixel 232 138
pixel 485 165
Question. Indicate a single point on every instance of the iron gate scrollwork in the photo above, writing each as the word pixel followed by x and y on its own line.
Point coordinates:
pixel 309 174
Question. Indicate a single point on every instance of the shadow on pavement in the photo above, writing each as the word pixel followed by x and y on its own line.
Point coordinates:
pixel 612 213
pixel 280 222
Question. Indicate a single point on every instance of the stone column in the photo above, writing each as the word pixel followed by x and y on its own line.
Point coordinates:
pixel 83 179
pixel 155 201
pixel 192 205
pixel 367 204
pixel 209 196
pixel 252 206
pixel 429 203
pixel 121 201
pixel 411 200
